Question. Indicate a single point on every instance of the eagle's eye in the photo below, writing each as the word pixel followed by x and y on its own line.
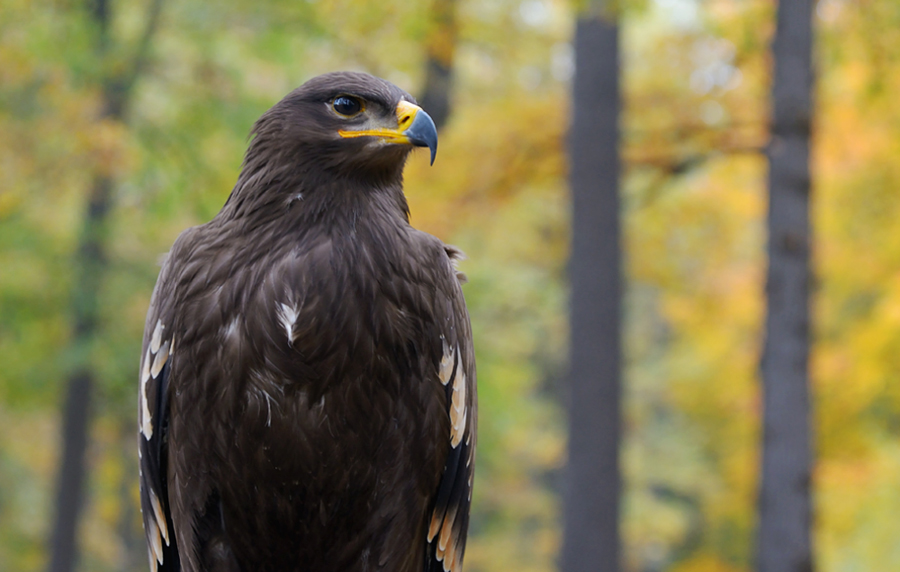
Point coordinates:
pixel 347 105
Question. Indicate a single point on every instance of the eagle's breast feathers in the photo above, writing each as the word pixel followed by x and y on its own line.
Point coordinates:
pixel 273 388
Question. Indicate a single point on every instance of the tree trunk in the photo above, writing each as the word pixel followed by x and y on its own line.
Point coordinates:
pixel 90 265
pixel 134 545
pixel 69 487
pixel 784 543
pixel 440 47
pixel 591 494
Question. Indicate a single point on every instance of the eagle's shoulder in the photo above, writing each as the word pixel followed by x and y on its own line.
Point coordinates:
pixel 434 250
pixel 456 256
pixel 163 300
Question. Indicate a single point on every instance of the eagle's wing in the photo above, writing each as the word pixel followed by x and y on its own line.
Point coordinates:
pixel 449 521
pixel 153 412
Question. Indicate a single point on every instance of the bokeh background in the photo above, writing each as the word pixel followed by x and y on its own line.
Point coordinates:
pixel 696 78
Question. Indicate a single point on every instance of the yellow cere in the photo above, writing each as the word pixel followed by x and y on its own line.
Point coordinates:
pixel 406 114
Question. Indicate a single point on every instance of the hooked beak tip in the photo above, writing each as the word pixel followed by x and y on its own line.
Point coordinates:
pixel 422 132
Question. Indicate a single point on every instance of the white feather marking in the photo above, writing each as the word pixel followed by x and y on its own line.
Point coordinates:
pixel 145 366
pixel 231 329
pixel 287 315
pixel 156 339
pixel 293 199
pixel 146 419
pixel 269 400
pixel 159 360
pixel 447 529
pixel 459 386
pixel 456 566
pixel 158 514
pixel 155 541
pixel 450 555
pixel 458 410
pixel 461 428
pixel 439 553
pixel 435 527
pixel 445 371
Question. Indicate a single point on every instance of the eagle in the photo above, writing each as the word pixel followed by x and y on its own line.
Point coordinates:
pixel 307 382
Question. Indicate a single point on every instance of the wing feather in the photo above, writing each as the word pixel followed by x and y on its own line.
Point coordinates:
pixel 449 523
pixel 153 416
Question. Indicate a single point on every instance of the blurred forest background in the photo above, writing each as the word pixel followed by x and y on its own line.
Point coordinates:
pixel 137 116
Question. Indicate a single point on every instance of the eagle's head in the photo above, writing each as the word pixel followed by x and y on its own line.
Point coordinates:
pixel 344 123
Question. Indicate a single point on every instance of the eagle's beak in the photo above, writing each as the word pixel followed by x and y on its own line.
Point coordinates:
pixel 414 127
pixel 417 126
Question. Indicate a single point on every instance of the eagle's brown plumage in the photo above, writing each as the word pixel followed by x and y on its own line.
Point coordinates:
pixel 307 387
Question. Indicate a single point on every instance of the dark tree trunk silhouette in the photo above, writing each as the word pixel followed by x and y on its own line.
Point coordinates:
pixel 68 497
pixel 134 553
pixel 784 543
pixel 90 267
pixel 591 494
pixel 440 47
